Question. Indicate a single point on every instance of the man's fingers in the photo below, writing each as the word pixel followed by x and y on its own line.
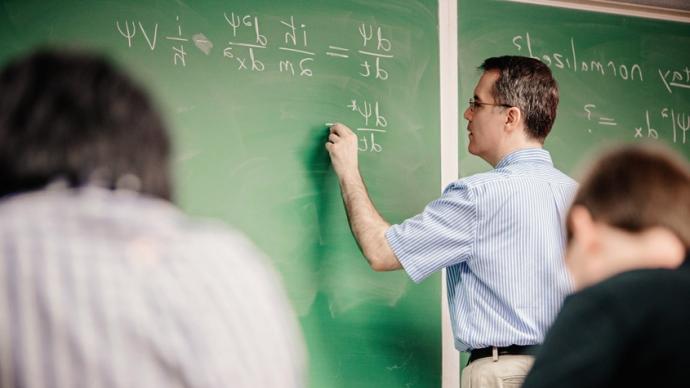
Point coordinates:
pixel 340 129
pixel 333 138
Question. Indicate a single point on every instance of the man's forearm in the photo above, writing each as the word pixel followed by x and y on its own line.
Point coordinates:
pixel 367 225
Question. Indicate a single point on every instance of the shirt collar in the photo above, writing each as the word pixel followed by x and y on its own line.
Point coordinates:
pixel 531 155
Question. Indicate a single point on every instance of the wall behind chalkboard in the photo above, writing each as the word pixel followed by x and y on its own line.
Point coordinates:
pixel 621 78
pixel 247 88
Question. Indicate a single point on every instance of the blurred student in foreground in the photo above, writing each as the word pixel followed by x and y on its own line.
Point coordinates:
pixel 628 240
pixel 103 281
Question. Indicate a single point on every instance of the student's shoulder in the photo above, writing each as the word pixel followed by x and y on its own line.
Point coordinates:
pixel 642 286
pixel 214 233
pixel 217 245
pixel 647 278
pixel 641 301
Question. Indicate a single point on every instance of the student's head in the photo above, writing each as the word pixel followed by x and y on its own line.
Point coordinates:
pixel 632 211
pixel 515 100
pixel 74 117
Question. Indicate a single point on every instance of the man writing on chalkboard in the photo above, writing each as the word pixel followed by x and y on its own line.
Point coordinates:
pixel 499 234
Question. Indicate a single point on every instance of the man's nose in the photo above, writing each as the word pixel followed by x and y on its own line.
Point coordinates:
pixel 468 114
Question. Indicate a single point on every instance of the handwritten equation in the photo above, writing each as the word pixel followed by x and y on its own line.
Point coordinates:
pixel 601 120
pixel 666 122
pixel 679 126
pixel 248 42
pixel 374 122
pixel 370 113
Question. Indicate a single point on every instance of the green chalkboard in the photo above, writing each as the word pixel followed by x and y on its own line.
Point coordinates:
pixel 621 78
pixel 247 88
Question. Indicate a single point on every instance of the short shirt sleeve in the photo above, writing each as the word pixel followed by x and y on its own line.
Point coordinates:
pixel 441 236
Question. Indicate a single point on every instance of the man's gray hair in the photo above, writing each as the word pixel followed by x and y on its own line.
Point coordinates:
pixel 527 84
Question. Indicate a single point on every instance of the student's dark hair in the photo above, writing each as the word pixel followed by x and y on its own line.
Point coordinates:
pixel 527 84
pixel 72 116
pixel 637 187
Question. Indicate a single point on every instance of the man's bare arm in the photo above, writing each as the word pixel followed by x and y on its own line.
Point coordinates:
pixel 366 223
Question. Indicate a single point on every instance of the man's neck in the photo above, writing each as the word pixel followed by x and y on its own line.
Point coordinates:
pixel 522 146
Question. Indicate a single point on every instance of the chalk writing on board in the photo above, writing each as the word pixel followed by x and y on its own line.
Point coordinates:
pixel 569 60
pixel 601 120
pixel 679 126
pixel 291 35
pixel 383 47
pixel 675 78
pixel 252 22
pixel 243 53
pixel 128 30
pixel 374 122
pixel 650 132
pixel 179 52
pixel 248 42
pixel 338 52
pixel 296 43
pixel 680 122
pixel 127 33
pixel 151 41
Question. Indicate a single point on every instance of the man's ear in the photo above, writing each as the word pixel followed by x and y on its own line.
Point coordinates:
pixel 583 227
pixel 513 117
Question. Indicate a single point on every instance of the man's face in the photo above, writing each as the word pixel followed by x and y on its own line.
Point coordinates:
pixel 485 122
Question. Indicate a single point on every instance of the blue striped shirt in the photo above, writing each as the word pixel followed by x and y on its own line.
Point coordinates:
pixel 501 236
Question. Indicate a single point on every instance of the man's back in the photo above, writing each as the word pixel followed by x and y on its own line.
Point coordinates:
pixel 114 289
pixel 500 234
pixel 514 279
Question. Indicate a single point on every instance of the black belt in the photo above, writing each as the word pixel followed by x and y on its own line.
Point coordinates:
pixel 476 354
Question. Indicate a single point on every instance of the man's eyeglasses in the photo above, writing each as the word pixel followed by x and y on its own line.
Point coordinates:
pixel 474 104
